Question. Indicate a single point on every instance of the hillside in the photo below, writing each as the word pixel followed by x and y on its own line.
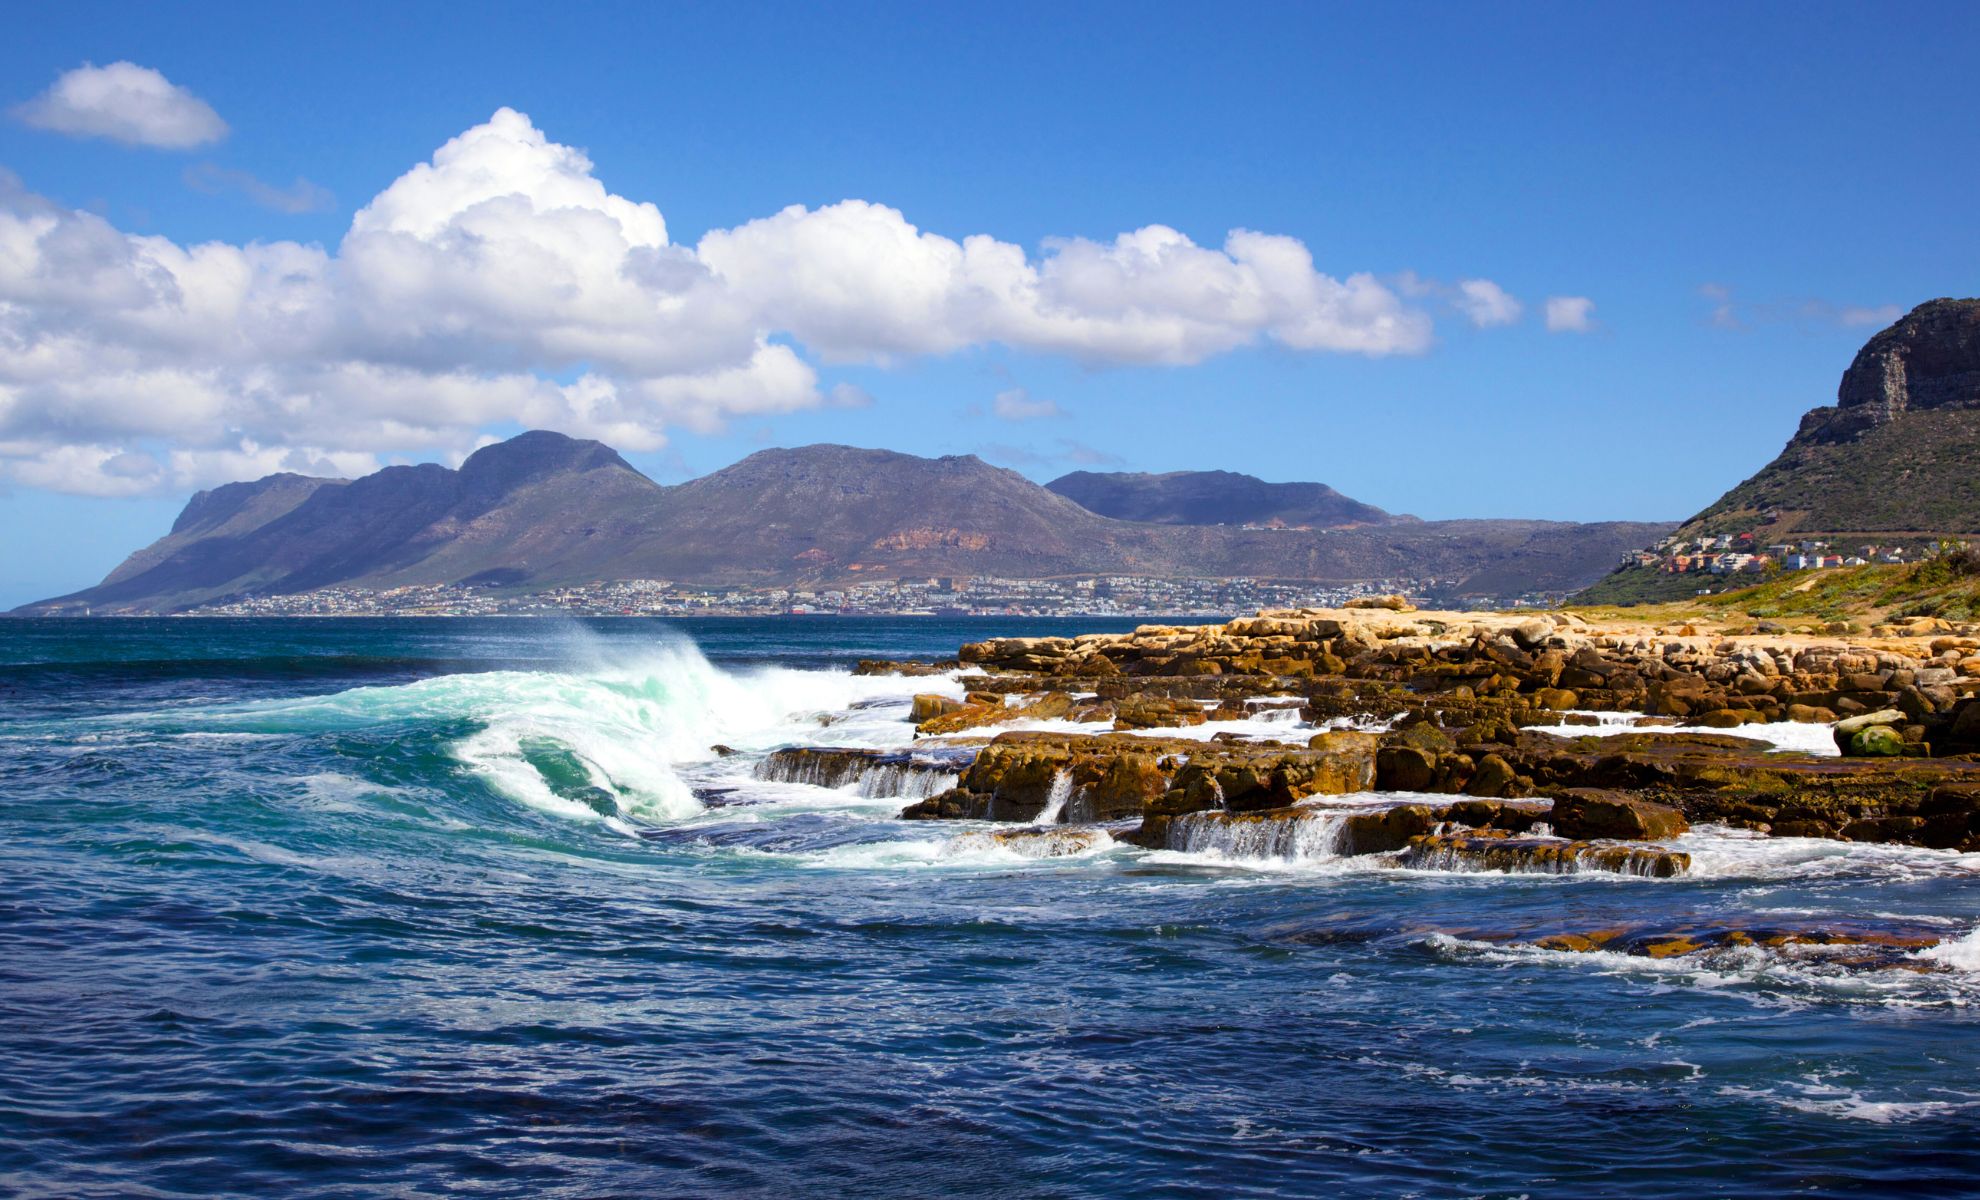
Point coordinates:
pixel 1215 498
pixel 1899 451
pixel 543 510
pixel 1858 598
pixel 1896 460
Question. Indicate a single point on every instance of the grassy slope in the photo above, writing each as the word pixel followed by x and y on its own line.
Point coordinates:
pixel 1860 596
pixel 1913 475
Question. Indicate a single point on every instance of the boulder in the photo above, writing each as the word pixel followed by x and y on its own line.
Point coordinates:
pixel 1875 741
pixel 927 706
pixel 1494 777
pixel 1387 830
pixel 1601 813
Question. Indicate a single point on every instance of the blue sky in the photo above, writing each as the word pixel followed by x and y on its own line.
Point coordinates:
pixel 1742 196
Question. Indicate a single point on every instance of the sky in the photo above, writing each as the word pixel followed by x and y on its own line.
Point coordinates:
pixel 1577 262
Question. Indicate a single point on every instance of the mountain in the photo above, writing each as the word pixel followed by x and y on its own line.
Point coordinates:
pixel 535 504
pixel 1899 451
pixel 1216 498
pixel 543 510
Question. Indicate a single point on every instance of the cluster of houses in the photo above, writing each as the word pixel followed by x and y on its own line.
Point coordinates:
pixel 1742 553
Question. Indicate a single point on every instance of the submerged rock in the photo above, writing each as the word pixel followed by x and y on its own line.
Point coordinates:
pixel 1841 943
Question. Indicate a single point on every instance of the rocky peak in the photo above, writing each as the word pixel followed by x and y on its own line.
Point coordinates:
pixel 528 456
pixel 1929 359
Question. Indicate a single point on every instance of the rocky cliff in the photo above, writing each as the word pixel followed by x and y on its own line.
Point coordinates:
pixel 1899 451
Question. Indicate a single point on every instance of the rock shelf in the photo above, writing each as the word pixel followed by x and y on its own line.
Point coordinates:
pixel 1461 694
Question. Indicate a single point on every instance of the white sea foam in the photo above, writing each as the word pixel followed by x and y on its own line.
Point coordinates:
pixel 1719 852
pixel 1789 976
pixel 1802 737
pixel 604 738
pixel 1832 1100
pixel 976 848
pixel 1959 954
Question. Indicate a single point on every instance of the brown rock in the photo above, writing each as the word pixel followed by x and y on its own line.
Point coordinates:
pixel 1599 813
pixel 928 706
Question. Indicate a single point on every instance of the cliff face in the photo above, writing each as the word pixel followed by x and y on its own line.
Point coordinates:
pixel 1899 451
pixel 1929 360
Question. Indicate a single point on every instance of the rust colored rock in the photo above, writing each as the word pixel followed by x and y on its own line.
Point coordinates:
pixel 927 706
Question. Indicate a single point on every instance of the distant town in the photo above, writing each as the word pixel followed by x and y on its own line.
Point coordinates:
pixel 1742 554
pixel 1100 595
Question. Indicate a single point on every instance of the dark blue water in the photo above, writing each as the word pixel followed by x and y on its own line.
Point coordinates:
pixel 357 908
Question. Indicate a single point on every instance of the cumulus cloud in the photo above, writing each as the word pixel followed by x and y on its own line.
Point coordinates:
pixel 125 103
pixel 302 196
pixel 501 283
pixel 856 281
pixel 1018 404
pixel 1570 314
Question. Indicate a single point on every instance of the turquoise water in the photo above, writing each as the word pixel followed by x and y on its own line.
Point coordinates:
pixel 468 907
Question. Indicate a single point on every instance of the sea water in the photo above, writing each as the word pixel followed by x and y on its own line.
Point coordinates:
pixel 340 908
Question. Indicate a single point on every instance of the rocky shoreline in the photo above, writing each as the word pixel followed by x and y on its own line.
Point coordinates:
pixel 1464 727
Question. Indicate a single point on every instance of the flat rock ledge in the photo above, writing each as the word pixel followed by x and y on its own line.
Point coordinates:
pixel 1462 694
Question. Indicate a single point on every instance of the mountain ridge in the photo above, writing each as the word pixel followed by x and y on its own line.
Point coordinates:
pixel 544 510
pixel 1216 498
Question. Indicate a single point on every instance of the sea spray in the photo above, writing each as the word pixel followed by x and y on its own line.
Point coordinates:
pixel 599 739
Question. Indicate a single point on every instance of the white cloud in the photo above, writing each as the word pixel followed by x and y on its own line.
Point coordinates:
pixel 125 103
pixel 501 283
pixel 1570 314
pixel 1018 404
pixel 1486 304
pixel 302 196
pixel 857 282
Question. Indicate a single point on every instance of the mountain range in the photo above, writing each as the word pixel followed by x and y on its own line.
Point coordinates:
pixel 543 510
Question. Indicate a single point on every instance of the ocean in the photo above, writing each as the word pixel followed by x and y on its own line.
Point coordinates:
pixel 471 907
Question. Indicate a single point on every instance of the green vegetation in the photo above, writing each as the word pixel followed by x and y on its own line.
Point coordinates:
pixel 1910 476
pixel 1647 585
pixel 1946 585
